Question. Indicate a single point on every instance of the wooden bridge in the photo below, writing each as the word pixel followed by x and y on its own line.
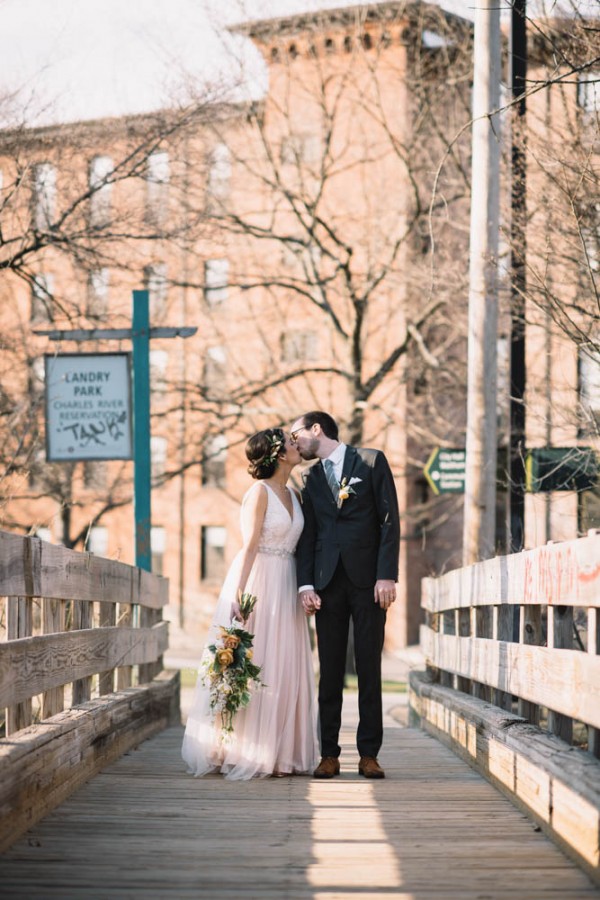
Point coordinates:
pixel 85 634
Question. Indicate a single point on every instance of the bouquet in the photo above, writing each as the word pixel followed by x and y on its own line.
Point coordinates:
pixel 227 668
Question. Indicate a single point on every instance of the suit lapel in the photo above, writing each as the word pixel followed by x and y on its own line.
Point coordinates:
pixel 349 462
pixel 350 459
pixel 316 475
pixel 319 485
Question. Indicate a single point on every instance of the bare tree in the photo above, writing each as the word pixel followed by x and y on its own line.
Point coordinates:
pixel 86 210
pixel 563 169
pixel 332 233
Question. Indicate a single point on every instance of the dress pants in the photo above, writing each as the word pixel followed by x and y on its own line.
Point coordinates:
pixel 340 601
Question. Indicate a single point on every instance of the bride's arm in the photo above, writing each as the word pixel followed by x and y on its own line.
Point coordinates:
pixel 256 507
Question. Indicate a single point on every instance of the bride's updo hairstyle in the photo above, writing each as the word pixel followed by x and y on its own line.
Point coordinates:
pixel 263 450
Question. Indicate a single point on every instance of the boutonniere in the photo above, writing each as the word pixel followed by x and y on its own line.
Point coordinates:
pixel 346 489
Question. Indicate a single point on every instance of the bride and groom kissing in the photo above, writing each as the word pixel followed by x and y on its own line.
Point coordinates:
pixel 330 551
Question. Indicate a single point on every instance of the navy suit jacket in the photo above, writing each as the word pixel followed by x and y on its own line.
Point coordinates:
pixel 364 533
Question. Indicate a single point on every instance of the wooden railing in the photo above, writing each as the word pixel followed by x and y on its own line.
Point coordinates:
pixel 80 671
pixel 512 646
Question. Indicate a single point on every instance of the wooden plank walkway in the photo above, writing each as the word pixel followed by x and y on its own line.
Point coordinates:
pixel 433 830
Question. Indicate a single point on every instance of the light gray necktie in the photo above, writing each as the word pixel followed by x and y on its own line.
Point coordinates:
pixel 331 479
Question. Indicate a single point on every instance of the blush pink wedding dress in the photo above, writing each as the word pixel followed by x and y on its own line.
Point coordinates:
pixel 276 732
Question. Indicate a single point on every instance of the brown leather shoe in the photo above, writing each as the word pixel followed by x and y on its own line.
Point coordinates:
pixel 370 768
pixel 327 768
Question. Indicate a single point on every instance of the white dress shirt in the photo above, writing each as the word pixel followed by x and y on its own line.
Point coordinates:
pixel 337 458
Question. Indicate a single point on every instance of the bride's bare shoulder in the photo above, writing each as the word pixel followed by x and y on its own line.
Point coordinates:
pixel 255 493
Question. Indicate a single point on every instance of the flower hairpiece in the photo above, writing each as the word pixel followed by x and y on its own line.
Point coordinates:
pixel 276 445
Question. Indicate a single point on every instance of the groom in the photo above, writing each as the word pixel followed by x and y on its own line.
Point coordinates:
pixel 347 567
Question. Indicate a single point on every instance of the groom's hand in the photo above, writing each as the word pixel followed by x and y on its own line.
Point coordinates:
pixel 310 601
pixel 385 593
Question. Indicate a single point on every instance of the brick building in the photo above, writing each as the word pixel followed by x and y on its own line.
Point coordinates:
pixel 295 232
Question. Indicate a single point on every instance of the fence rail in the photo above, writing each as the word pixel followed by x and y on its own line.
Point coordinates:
pixel 512 646
pixel 523 626
pixel 93 616
pixel 80 671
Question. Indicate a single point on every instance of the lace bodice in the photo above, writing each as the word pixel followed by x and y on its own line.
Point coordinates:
pixel 279 533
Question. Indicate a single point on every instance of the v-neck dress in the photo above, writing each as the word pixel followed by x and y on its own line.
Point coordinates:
pixel 276 732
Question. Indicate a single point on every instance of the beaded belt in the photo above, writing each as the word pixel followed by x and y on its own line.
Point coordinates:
pixel 275 551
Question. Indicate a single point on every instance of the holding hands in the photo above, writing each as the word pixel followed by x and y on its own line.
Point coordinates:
pixel 385 595
pixel 310 601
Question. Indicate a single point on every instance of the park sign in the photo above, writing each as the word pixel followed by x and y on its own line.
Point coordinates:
pixel 561 469
pixel 88 406
pixel 445 470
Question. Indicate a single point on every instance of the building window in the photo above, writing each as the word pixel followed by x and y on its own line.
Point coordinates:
pixel 588 91
pixel 212 559
pixel 158 456
pixel 299 148
pixel 218 184
pixel 42 288
pixel 215 371
pixel 38 466
pixel 155 282
pixel 298 252
pixel 299 346
pixel 94 474
pixel 158 371
pixel 98 281
pixel 589 387
pixel 101 169
pixel 38 375
pixel 157 190
pixel 590 237
pixel 44 196
pixel 97 541
pixel 216 280
pixel 503 388
pixel 589 509
pixel 214 460
pixel 158 543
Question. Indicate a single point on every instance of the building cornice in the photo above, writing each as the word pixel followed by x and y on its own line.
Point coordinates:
pixel 167 121
pixel 361 15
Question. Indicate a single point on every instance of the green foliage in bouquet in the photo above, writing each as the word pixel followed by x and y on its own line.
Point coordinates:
pixel 228 670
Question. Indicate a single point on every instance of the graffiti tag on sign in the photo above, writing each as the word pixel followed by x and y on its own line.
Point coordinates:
pixel 88 406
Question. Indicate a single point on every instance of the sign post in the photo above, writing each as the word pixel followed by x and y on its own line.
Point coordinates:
pixel 92 388
pixel 141 430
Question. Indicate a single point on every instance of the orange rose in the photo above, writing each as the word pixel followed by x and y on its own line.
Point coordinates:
pixel 224 657
pixel 249 653
pixel 231 641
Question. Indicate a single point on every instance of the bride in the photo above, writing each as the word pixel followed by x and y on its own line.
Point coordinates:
pixel 276 733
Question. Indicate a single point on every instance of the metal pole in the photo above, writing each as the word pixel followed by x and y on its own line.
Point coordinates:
pixel 518 243
pixel 481 444
pixel 141 428
pixel 185 252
